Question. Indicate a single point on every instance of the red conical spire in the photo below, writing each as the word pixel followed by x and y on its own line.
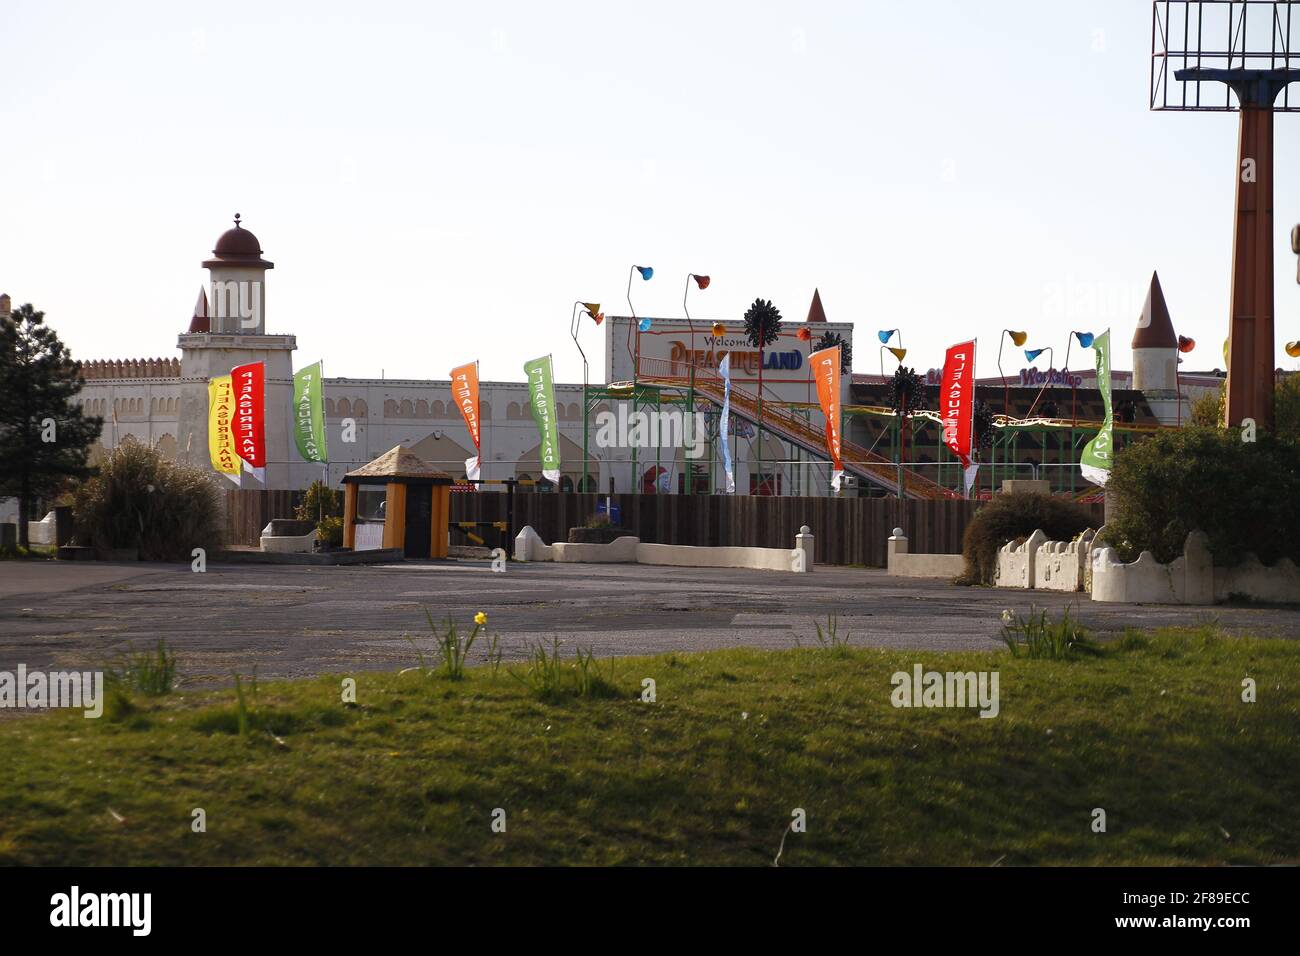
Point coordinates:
pixel 1155 330
pixel 200 322
pixel 815 311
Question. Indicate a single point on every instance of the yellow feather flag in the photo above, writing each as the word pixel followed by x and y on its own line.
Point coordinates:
pixel 221 444
pixel 899 354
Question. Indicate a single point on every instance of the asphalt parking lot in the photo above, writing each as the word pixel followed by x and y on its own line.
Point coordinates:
pixel 285 621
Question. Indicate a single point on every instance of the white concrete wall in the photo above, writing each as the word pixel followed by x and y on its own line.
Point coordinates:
pixel 900 562
pixel 1062 565
pixel 1192 578
pixel 627 550
pixel 42 533
pixel 1016 562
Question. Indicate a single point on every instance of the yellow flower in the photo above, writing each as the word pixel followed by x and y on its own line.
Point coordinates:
pixel 480 618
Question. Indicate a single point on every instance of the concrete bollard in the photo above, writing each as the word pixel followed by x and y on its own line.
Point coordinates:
pixel 805 542
pixel 896 545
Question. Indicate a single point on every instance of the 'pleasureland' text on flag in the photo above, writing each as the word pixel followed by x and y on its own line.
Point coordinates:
pixel 309 414
pixel 464 390
pixel 541 396
pixel 957 406
pixel 221 443
pixel 826 368
pixel 249 425
pixel 1099 453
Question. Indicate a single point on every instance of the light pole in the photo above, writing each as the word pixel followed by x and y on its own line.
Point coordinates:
pixel 1018 340
pixel 1031 356
pixel 592 309
pixel 703 283
pixel 646 273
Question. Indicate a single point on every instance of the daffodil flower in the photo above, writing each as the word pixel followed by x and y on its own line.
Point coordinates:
pixel 480 618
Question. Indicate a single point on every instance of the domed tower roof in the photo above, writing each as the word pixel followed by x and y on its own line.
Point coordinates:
pixel 1154 329
pixel 238 247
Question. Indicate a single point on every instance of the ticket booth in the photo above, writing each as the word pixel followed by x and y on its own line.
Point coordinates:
pixel 416 507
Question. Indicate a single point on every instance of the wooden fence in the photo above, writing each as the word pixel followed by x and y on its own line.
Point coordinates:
pixel 848 530
pixel 249 510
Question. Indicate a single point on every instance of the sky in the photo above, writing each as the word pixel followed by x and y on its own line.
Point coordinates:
pixel 439 182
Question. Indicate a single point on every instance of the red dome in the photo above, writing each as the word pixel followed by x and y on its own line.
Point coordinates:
pixel 237 242
pixel 237 246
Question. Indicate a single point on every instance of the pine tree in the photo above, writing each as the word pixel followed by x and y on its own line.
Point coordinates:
pixel 44 438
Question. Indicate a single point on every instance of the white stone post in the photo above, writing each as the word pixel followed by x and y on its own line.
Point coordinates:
pixel 804 542
pixel 897 545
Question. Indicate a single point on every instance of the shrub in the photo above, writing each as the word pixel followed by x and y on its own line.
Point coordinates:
pixel 1012 516
pixel 319 501
pixel 142 499
pixel 323 505
pixel 1245 496
pixel 330 530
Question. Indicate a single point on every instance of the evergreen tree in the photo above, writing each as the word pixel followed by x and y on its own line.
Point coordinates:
pixel 44 438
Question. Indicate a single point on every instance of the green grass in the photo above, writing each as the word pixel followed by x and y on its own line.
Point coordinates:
pixel 1152 729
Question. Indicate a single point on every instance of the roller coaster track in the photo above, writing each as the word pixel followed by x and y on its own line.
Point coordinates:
pixel 859 461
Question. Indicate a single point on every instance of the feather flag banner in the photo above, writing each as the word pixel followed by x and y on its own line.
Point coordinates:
pixel 221 442
pixel 724 424
pixel 1099 453
pixel 541 393
pixel 309 414
pixel 464 389
pixel 249 427
pixel 957 401
pixel 826 369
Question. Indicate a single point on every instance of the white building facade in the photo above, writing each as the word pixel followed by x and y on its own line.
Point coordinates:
pixel 164 402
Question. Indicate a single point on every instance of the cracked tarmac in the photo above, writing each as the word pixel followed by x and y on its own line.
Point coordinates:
pixel 287 621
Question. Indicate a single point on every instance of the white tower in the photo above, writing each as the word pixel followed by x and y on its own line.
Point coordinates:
pixel 1155 356
pixel 236 335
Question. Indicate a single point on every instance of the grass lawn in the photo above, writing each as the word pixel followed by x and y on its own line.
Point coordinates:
pixel 1154 731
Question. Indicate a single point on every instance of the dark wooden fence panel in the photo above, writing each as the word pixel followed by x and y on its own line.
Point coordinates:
pixel 848 530
pixel 249 510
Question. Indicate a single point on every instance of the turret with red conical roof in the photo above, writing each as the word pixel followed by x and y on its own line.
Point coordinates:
pixel 1155 344
pixel 815 311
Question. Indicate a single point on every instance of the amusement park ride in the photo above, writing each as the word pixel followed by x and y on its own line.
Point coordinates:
pixel 1206 56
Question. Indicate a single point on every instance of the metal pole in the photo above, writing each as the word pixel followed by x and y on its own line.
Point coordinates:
pixel 510 518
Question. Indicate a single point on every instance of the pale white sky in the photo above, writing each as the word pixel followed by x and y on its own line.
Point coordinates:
pixel 438 182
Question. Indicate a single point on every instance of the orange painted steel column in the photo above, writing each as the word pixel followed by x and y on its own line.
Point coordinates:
pixel 350 516
pixel 1250 339
pixel 395 516
pixel 441 515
